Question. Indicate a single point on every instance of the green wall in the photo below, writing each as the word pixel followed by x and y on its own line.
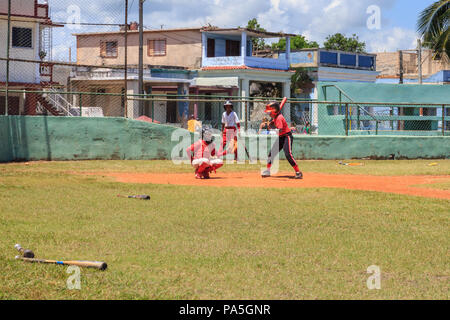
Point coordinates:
pixel 65 138
pixel 62 138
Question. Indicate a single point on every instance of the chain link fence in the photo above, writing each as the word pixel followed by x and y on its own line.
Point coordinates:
pixel 68 58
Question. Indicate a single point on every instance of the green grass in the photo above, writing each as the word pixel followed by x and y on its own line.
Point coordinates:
pixel 185 244
pixel 381 167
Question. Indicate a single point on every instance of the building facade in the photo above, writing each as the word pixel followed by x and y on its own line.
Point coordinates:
pixel 30 42
pixel 210 61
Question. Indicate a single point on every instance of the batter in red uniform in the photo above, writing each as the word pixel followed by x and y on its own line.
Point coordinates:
pixel 285 140
pixel 203 155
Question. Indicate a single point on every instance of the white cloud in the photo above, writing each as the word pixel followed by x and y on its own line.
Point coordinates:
pixel 333 5
pixel 391 39
pixel 315 19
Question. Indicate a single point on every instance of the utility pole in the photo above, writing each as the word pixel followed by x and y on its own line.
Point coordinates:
pixel 401 124
pixel 7 58
pixel 125 94
pixel 401 70
pixel 141 54
pixel 419 60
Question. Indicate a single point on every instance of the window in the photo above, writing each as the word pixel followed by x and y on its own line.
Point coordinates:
pixel 157 48
pixel 233 48
pixel 22 37
pixel 108 49
pixel 211 49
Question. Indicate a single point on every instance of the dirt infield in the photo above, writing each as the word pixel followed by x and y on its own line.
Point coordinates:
pixel 408 185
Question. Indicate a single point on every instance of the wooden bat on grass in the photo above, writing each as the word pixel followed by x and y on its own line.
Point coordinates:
pixel 86 264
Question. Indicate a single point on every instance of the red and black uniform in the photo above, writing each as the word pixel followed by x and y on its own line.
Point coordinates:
pixel 285 141
pixel 201 154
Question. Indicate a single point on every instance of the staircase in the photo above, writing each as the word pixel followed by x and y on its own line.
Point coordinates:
pixel 59 101
pixel 48 106
pixel 36 103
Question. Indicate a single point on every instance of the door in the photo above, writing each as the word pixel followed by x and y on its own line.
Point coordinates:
pixel 211 49
pixel 233 48
pixel 171 115
pixel 13 109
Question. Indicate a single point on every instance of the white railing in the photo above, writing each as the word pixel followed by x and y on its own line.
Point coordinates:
pixel 60 102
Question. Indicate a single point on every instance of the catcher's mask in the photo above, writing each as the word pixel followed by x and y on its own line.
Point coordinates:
pixel 273 109
pixel 228 103
pixel 207 135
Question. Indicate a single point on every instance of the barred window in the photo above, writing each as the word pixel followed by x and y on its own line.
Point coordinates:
pixel 108 49
pixel 22 37
pixel 157 48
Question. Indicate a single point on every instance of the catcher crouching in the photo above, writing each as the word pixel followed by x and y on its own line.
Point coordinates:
pixel 203 155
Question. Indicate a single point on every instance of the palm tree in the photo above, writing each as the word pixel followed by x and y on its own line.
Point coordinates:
pixel 433 26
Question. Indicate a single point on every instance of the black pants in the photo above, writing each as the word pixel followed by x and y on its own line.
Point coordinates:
pixel 285 143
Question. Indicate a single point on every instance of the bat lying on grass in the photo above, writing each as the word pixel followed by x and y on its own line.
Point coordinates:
pixel 356 164
pixel 140 197
pixel 87 264
pixel 24 252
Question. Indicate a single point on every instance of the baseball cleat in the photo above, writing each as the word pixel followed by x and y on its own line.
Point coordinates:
pixel 197 176
pixel 265 174
pixel 299 175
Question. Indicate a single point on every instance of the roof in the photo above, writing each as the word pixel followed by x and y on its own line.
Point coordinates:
pixel 241 68
pixel 215 30
pixel 250 32
pixel 136 31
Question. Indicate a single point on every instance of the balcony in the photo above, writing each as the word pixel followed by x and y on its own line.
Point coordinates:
pixel 233 48
pixel 331 58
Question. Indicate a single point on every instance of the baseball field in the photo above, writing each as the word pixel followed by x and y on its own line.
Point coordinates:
pixel 235 236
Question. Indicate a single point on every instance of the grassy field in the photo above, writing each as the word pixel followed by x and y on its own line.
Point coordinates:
pixel 228 243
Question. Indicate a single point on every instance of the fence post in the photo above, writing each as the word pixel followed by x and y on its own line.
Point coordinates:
pixel 7 58
pixel 246 115
pixel 153 108
pixel 346 119
pixel 443 120
pixel 80 98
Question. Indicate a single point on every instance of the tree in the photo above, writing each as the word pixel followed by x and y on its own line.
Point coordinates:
pixel 340 42
pixel 297 42
pixel 433 26
pixel 258 43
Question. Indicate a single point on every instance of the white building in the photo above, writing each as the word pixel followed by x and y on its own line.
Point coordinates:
pixel 30 40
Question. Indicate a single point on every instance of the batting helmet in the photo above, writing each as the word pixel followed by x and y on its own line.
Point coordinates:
pixel 273 109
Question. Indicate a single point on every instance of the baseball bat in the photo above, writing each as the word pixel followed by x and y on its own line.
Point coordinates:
pixel 140 197
pixel 283 102
pixel 86 264
pixel 24 252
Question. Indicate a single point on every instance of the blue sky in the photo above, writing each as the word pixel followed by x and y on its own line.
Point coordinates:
pixel 314 19
pixel 403 12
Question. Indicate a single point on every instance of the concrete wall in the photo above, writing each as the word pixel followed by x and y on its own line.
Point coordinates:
pixel 388 63
pixel 19 7
pixel 184 48
pixel 57 138
pixel 20 71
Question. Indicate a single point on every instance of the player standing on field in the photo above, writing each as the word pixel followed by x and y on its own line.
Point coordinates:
pixel 285 140
pixel 230 126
